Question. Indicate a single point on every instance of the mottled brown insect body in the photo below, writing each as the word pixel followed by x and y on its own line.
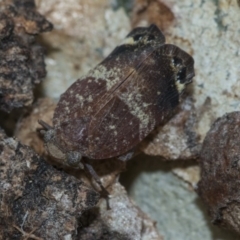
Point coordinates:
pixel 109 111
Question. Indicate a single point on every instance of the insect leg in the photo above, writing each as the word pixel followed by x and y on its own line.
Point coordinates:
pixel 44 125
pixel 92 172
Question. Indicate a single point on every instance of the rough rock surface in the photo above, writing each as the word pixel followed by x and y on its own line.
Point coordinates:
pixel 174 205
pixel 219 162
pixel 178 138
pixel 124 221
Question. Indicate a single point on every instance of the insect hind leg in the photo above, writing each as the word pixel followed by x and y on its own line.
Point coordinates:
pixel 45 126
pixel 104 193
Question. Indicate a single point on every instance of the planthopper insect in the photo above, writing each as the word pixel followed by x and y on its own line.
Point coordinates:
pixel 106 113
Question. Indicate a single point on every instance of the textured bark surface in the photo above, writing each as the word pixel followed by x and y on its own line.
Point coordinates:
pixel 22 59
pixel 38 201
